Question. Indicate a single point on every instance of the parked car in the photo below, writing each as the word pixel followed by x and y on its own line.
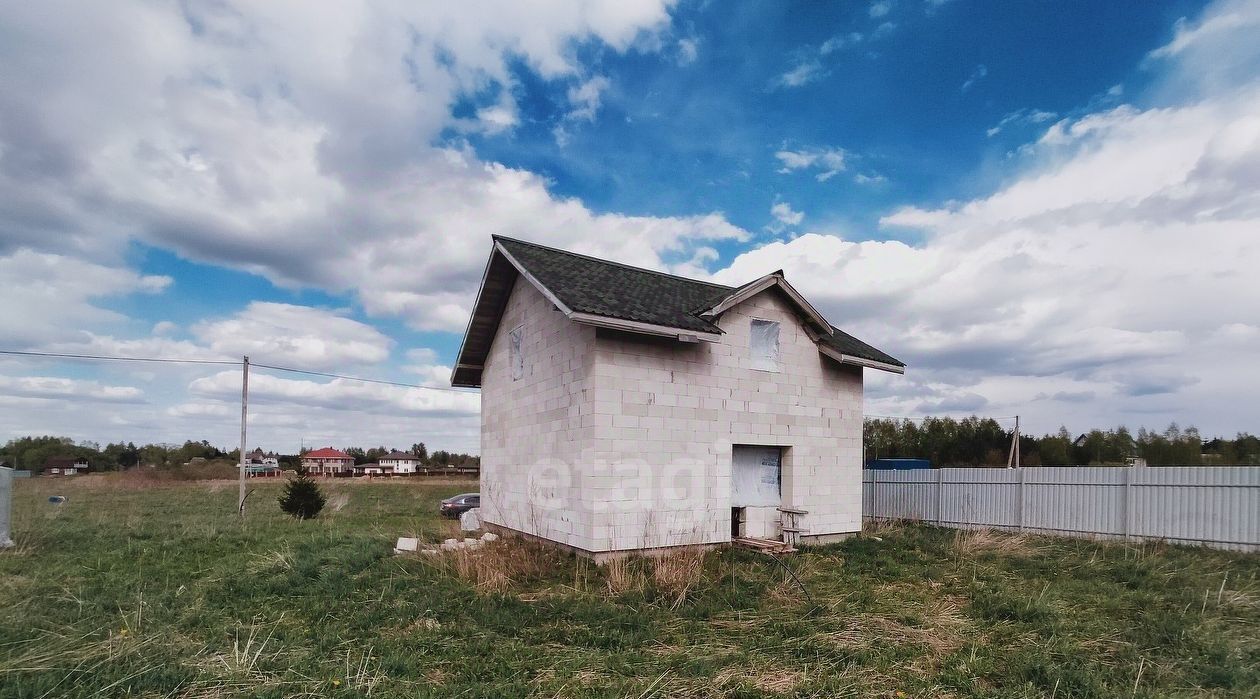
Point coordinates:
pixel 455 506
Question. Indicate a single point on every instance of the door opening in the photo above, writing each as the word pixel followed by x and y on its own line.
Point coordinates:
pixel 756 490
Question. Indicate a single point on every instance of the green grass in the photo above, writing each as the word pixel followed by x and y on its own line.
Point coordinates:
pixel 157 590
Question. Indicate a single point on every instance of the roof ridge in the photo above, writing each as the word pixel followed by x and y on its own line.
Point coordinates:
pixel 623 265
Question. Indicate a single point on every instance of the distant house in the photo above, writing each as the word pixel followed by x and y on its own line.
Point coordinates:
pixel 65 466
pixel 373 469
pixel 328 462
pixel 401 463
pixel 261 465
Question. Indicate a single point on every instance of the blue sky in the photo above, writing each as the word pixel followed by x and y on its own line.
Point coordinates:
pixel 1039 206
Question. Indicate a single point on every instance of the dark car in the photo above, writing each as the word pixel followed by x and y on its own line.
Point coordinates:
pixel 455 506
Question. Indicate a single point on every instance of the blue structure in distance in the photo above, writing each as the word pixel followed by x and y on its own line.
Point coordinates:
pixel 899 464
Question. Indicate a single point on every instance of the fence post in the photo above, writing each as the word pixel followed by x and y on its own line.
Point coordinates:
pixel 940 516
pixel 875 494
pixel 1128 502
pixel 1020 510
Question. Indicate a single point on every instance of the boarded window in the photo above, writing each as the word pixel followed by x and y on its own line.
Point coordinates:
pixel 764 343
pixel 756 476
pixel 517 357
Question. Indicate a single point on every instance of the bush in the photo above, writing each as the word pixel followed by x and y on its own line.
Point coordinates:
pixel 302 497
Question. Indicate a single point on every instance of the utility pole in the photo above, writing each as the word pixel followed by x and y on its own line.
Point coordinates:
pixel 1016 441
pixel 1012 458
pixel 240 503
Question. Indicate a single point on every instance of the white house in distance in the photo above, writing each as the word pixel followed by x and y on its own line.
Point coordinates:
pixel 399 463
pixel 626 409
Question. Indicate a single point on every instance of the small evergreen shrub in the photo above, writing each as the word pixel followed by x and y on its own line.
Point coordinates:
pixel 302 497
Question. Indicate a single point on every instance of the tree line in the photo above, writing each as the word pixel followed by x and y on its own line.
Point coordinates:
pixel 31 453
pixel 976 441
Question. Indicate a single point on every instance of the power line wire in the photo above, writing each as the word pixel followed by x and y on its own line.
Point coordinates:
pixel 161 360
pixel 228 362
pixel 255 365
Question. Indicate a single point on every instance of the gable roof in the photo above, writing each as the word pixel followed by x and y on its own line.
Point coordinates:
pixel 399 455
pixel 610 294
pixel 591 285
pixel 326 453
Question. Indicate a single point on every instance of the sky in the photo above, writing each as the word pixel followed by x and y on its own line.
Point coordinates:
pixel 1044 209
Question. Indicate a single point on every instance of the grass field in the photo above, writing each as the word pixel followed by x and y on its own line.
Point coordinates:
pixel 148 589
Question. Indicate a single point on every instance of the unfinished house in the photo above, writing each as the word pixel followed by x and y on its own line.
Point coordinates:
pixel 625 409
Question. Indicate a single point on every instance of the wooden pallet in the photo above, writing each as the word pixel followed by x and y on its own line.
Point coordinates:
pixel 769 546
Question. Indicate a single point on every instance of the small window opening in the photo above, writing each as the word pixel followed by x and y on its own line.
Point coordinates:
pixel 764 343
pixel 517 358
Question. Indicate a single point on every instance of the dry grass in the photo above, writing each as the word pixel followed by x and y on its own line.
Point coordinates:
pixel 941 632
pixel 337 502
pixel 880 527
pixel 774 680
pixel 496 566
pixel 677 572
pixel 973 542
pixel 623 574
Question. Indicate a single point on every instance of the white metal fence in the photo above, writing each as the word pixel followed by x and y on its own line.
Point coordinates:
pixel 1215 506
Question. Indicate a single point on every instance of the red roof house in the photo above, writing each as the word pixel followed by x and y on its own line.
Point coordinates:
pixel 328 462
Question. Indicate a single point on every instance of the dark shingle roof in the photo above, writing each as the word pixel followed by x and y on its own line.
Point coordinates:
pixel 398 455
pixel 847 344
pixel 590 285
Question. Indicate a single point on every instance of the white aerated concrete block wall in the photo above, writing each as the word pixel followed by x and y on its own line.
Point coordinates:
pixel 613 441
pixel 666 414
pixel 532 433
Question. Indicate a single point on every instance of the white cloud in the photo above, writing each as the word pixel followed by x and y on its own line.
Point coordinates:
pixel 803 73
pixel 1227 18
pixel 840 41
pixel 1213 53
pixel 688 50
pixel 977 74
pixel 423 363
pixel 51 297
pixel 214 131
pixel 586 98
pixel 63 389
pixel 310 338
pixel 873 178
pixel 1021 117
pixel 337 395
pixel 1113 265
pixel 829 162
pixel 785 215
pixel 498 118
pixel 880 8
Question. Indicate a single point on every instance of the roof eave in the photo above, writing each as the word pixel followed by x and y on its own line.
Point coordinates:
pixel 463 345
pixel 634 326
pixel 861 361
